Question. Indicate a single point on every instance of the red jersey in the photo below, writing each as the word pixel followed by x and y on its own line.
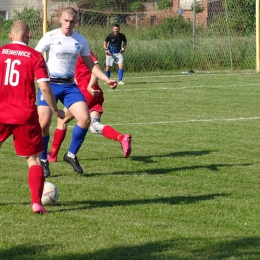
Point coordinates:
pixel 82 73
pixel 19 66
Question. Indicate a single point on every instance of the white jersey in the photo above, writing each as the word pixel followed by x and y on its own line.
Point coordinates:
pixel 62 52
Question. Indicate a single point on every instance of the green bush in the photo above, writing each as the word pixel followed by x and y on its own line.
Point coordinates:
pixel 137 6
pixel 164 4
pixel 176 25
pixel 5 28
pixel 32 17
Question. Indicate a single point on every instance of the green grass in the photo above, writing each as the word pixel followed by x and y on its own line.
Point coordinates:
pixel 190 189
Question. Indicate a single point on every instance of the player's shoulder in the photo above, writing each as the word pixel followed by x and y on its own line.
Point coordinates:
pixel 19 46
pixel 5 46
pixel 36 53
pixel 79 37
pixel 122 35
pixel 21 50
pixel 110 35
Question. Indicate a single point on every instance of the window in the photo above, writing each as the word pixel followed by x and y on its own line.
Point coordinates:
pixel 153 20
pixel 4 14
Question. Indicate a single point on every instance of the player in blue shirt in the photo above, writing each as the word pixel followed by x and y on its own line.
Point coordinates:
pixel 114 49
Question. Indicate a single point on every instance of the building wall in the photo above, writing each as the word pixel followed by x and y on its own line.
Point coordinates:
pixel 154 16
pixel 19 5
pixel 185 5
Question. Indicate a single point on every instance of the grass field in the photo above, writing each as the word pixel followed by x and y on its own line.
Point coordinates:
pixel 190 189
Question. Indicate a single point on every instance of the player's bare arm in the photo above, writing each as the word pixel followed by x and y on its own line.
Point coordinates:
pixel 123 47
pixel 106 49
pixel 94 68
pixel 92 82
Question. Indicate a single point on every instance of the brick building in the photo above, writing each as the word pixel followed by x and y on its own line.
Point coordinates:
pixel 181 7
pixel 151 16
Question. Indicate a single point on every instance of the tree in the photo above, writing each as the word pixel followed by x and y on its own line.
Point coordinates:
pixel 164 4
pixel 5 28
pixel 241 15
pixel 137 6
pixel 32 18
pixel 199 8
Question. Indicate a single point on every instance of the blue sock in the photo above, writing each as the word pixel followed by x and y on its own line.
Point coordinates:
pixel 78 136
pixel 120 74
pixel 45 144
pixel 108 73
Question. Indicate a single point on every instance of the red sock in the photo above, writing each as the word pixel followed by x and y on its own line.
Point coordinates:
pixel 36 183
pixel 57 140
pixel 110 133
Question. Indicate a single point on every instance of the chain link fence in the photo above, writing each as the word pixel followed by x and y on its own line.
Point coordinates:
pixel 162 35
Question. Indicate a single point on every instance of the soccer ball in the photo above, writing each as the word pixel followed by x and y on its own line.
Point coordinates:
pixel 50 194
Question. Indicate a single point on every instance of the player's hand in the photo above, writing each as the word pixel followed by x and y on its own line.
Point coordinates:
pixel 122 50
pixel 93 92
pixel 112 84
pixel 108 53
pixel 60 114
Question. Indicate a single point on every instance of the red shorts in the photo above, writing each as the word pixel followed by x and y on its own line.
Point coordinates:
pixel 27 138
pixel 94 103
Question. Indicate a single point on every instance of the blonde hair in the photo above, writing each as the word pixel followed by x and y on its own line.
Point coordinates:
pixel 70 11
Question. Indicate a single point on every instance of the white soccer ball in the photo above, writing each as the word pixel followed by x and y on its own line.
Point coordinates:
pixel 50 194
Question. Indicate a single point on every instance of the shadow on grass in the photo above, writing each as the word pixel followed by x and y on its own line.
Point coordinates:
pixel 148 158
pixel 108 203
pixel 173 249
pixel 176 200
pixel 211 167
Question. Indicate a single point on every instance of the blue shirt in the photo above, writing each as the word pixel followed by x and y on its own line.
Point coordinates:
pixel 115 42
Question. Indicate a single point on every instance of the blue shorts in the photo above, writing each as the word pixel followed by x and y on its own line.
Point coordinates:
pixel 68 94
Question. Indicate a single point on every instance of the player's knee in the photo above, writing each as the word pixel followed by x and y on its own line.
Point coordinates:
pixel 45 126
pixel 96 127
pixel 84 123
pixel 87 122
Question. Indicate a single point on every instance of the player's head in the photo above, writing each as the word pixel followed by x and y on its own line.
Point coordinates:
pixel 68 19
pixel 20 32
pixel 116 29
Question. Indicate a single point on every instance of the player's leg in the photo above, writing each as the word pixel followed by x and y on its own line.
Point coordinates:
pixel 110 133
pixel 45 118
pixel 107 72
pixel 109 63
pixel 59 135
pixel 28 144
pixel 120 69
pixel 75 102
pixel 36 182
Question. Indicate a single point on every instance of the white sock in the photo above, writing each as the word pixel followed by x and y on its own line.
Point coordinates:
pixel 71 155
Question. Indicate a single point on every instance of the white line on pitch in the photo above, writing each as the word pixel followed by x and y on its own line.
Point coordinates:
pixel 180 75
pixel 193 121
pixel 190 121
pixel 185 87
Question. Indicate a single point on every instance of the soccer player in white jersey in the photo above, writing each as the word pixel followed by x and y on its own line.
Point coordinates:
pixel 63 46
